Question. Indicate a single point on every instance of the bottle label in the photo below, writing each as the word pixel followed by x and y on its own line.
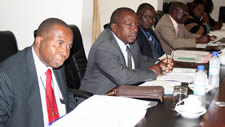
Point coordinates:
pixel 214 70
pixel 199 89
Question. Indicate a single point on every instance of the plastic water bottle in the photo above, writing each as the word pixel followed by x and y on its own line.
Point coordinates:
pixel 200 82
pixel 214 70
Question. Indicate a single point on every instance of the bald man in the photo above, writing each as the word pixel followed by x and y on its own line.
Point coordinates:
pixel 33 90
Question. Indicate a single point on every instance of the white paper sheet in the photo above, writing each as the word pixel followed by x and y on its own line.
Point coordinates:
pixel 167 85
pixel 190 56
pixel 220 34
pixel 172 79
pixel 105 111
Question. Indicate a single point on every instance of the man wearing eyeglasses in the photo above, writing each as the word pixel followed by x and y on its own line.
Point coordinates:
pixel 172 33
pixel 147 40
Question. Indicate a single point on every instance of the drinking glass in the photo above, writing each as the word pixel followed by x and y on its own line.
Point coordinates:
pixel 179 93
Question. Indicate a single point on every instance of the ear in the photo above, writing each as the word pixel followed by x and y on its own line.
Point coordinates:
pixel 114 28
pixel 38 41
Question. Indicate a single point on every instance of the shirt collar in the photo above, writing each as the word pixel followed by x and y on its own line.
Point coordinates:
pixel 40 67
pixel 121 44
pixel 175 24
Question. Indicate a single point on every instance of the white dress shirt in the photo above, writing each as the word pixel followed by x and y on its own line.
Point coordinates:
pixel 175 25
pixel 41 69
pixel 123 48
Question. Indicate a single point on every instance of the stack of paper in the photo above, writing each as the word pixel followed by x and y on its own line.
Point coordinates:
pixel 219 33
pixel 191 56
pixel 105 111
pixel 174 78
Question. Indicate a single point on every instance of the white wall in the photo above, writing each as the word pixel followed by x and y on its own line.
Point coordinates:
pixel 22 17
pixel 217 4
pixel 108 6
pixel 87 18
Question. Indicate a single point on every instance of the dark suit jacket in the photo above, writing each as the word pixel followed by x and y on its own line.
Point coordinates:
pixel 144 44
pixel 107 67
pixel 20 101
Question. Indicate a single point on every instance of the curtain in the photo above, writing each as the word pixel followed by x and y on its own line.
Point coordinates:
pixel 96 21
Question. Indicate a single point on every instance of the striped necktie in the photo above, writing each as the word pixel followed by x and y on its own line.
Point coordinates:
pixel 129 61
pixel 155 45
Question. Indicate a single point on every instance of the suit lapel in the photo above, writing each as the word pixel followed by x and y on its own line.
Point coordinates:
pixel 114 42
pixel 61 84
pixel 154 36
pixel 145 48
pixel 134 52
pixel 34 99
pixel 171 23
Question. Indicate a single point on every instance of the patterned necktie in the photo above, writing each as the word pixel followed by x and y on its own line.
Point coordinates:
pixel 129 61
pixel 156 47
pixel 50 98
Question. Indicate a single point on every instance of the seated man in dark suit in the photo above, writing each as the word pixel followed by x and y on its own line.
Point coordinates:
pixel 33 90
pixel 115 57
pixel 149 43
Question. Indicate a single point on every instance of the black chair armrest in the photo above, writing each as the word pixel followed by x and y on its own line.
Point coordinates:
pixel 80 93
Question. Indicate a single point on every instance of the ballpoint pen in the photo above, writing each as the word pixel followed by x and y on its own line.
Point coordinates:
pixel 165 71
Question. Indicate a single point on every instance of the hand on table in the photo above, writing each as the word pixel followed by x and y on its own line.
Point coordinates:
pixel 164 65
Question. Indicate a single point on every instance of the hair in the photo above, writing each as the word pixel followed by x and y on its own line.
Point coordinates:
pixel 195 3
pixel 142 7
pixel 175 6
pixel 47 25
pixel 209 7
pixel 116 14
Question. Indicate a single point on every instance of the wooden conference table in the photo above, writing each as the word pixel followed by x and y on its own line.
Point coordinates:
pixel 163 115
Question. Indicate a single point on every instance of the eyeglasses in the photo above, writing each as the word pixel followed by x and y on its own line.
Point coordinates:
pixel 149 17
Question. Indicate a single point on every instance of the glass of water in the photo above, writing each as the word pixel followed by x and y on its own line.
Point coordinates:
pixel 179 93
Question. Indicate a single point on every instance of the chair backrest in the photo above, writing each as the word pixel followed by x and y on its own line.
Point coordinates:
pixel 159 14
pixel 75 65
pixel 222 14
pixel 8 44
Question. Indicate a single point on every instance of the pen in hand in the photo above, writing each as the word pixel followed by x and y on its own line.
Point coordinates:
pixel 166 64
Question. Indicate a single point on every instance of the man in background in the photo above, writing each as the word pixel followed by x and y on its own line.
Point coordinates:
pixel 172 33
pixel 148 41
pixel 115 57
pixel 33 90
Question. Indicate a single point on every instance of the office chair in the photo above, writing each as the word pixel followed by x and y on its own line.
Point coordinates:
pixel 107 26
pixel 8 44
pixel 75 65
pixel 222 14
pixel 159 14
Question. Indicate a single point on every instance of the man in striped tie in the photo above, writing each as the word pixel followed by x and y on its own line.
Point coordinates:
pixel 147 40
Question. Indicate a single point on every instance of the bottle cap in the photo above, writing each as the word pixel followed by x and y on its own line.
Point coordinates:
pixel 215 53
pixel 201 67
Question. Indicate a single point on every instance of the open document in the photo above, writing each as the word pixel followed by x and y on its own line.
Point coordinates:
pixel 174 78
pixel 189 56
pixel 105 111
pixel 219 41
